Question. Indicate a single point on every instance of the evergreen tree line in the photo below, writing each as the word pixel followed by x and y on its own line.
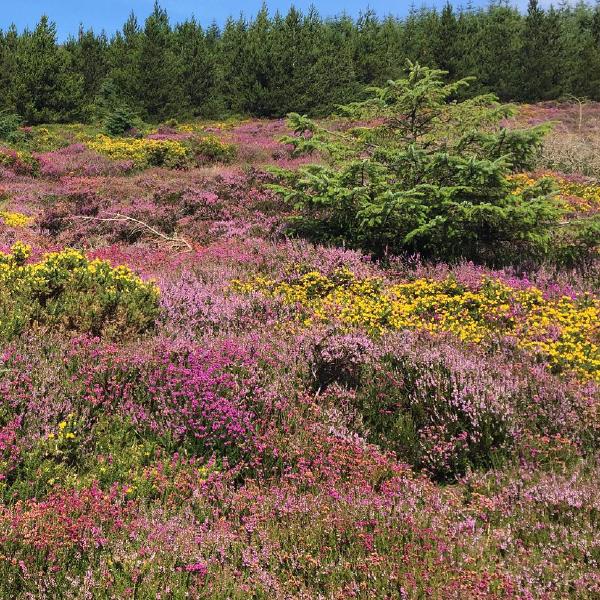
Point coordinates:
pixel 273 64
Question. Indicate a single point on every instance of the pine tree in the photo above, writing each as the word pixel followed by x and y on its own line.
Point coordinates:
pixel 159 91
pixel 234 59
pixel 445 42
pixel 260 57
pixel 46 88
pixel 89 57
pixel 581 41
pixel 292 48
pixel 369 53
pixel 272 65
pixel 120 86
pixel 541 54
pixel 392 44
pixel 467 62
pixel 332 77
pixel 430 176
pixel 8 44
pixel 498 45
pixel 198 68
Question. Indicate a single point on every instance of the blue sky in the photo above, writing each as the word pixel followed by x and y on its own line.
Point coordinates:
pixel 110 14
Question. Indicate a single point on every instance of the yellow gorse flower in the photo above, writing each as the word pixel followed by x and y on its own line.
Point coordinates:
pixel 84 293
pixel 565 330
pixel 15 219
pixel 141 151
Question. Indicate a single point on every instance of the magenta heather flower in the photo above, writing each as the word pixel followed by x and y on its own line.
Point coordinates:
pixel 199 569
pixel 235 450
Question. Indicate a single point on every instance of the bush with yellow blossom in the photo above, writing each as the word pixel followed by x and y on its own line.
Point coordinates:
pixel 142 151
pixel 68 291
pixel 563 331
pixel 14 219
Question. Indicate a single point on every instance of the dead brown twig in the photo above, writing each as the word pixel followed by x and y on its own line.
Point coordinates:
pixel 173 241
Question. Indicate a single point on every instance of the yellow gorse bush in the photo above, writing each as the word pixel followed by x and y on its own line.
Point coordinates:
pixel 143 152
pixel 15 219
pixel 564 331
pixel 580 196
pixel 67 290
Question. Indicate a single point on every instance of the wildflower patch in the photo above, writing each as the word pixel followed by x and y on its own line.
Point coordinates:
pixel 68 291
pixel 563 331
pixel 143 152
pixel 14 219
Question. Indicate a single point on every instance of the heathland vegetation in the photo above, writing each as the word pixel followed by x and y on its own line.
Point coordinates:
pixel 350 354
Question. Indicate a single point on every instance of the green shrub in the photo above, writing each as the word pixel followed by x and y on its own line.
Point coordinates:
pixel 429 176
pixel 212 149
pixel 66 290
pixel 120 121
pixel 577 243
pixel 10 124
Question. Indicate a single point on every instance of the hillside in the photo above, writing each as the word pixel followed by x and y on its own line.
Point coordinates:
pixel 224 373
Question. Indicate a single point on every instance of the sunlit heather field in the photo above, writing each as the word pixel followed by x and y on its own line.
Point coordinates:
pixel 198 405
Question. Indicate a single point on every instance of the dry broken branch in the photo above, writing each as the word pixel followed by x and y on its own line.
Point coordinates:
pixel 173 241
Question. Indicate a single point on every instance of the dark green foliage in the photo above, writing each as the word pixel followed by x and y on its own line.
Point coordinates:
pixel 541 55
pixel 9 126
pixel 199 72
pixel 157 91
pixel 44 87
pixel 120 121
pixel 274 64
pixel 576 243
pixel 431 178
pixel 89 56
